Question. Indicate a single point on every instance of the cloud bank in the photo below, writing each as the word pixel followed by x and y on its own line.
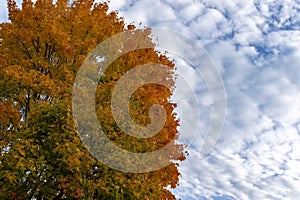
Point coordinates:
pixel 256 47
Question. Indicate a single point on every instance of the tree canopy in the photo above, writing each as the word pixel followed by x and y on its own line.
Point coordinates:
pixel 42 156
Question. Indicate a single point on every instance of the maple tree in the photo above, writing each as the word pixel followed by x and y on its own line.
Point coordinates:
pixel 42 157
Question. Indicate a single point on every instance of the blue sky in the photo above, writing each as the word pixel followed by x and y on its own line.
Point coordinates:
pixel 255 45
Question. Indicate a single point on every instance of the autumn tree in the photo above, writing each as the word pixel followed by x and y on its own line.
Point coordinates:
pixel 42 155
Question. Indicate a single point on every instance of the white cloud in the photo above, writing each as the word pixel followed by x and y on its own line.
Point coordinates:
pixel 191 11
pixel 3 11
pixel 144 11
pixel 255 45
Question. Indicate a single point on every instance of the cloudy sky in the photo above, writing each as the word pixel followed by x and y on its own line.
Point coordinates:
pixel 255 46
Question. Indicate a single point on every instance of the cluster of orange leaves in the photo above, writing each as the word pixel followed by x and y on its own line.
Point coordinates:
pixel 42 156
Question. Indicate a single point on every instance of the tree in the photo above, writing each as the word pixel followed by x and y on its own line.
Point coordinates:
pixel 42 156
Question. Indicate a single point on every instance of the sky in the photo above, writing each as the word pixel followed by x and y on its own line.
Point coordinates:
pixel 255 46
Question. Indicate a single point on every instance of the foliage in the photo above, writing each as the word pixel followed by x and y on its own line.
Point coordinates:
pixel 42 156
